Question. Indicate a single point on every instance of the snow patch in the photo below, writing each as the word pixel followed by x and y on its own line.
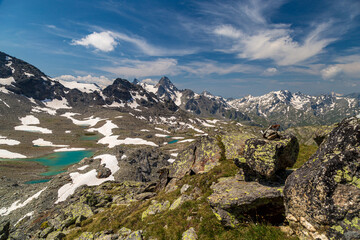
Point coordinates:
pixel 90 121
pixel 186 140
pixel 113 141
pixel 57 104
pixel 7 81
pixel 106 129
pixel 8 154
pixel 88 178
pixel 42 143
pixel 160 135
pixel 29 120
pixel 83 167
pixel 69 149
pixel 16 204
pixel 10 142
pixel 28 74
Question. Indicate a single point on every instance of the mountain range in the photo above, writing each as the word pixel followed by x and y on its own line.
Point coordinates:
pixel 283 107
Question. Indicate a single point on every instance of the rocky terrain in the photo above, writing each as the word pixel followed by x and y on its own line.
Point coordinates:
pixel 164 163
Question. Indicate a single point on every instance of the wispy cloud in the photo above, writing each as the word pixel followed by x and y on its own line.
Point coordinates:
pixel 245 28
pixel 137 68
pixel 275 43
pixel 213 67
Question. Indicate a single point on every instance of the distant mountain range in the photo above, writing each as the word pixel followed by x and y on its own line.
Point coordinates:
pixel 288 109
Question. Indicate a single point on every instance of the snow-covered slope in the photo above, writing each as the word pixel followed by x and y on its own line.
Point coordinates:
pixel 291 109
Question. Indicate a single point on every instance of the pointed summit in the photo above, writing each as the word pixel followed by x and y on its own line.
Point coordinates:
pixel 135 81
pixel 166 84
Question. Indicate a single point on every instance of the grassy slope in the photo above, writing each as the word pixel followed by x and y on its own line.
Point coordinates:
pixel 171 224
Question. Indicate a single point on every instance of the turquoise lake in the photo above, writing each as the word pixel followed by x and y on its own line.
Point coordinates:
pixel 173 141
pixel 59 161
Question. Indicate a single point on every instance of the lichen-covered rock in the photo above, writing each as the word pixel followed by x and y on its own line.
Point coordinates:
pixel 267 157
pixel 57 236
pixel 235 144
pixel 234 201
pixel 79 209
pixel 85 236
pixel 136 235
pixel 190 234
pixel 180 200
pixel 155 208
pixel 199 157
pixel 322 197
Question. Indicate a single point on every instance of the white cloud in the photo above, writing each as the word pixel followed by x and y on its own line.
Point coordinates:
pixel 149 81
pixel 270 71
pixel 275 43
pixel 137 68
pixel 228 31
pixel 103 41
pixel 101 81
pixel 330 72
pixel 106 41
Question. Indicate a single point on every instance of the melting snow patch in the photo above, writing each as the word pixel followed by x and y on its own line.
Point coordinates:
pixel 67 131
pixel 195 129
pixel 186 140
pixel 106 129
pixel 29 120
pixel 213 121
pixel 160 129
pixel 145 130
pixel 91 121
pixel 7 81
pixel 174 154
pixel 57 104
pixel 16 205
pixel 83 167
pixel 113 141
pixel 4 90
pixel 42 143
pixel 10 142
pixel 5 103
pixel 28 74
pixel 88 178
pixel 40 109
pixel 8 154
pixel 161 135
pixel 171 160
pixel 26 215
pixel 69 149
pixel 177 137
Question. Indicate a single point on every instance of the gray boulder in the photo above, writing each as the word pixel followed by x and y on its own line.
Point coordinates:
pixel 322 198
pixel 235 201
pixel 266 158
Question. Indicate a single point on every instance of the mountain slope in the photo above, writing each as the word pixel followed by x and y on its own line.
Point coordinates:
pixel 297 109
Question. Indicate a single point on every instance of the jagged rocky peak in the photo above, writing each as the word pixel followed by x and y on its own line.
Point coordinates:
pixel 135 81
pixel 18 69
pixel 166 84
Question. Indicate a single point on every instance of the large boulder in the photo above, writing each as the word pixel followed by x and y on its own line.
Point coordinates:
pixel 235 143
pixel 235 201
pixel 200 157
pixel 267 157
pixel 322 198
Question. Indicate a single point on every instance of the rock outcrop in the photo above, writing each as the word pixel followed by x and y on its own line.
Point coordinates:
pixel 200 157
pixel 322 198
pixel 266 158
pixel 235 201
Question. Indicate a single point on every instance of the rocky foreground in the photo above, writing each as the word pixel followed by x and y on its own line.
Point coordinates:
pixel 226 185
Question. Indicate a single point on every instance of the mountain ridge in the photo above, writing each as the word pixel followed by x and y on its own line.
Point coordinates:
pixel 283 107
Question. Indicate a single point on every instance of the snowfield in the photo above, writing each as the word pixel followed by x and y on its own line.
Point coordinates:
pixel 88 178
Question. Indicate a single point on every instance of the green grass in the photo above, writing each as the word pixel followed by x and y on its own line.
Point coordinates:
pixel 305 152
pixel 171 224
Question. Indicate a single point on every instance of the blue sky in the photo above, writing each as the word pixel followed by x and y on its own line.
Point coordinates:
pixel 230 48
